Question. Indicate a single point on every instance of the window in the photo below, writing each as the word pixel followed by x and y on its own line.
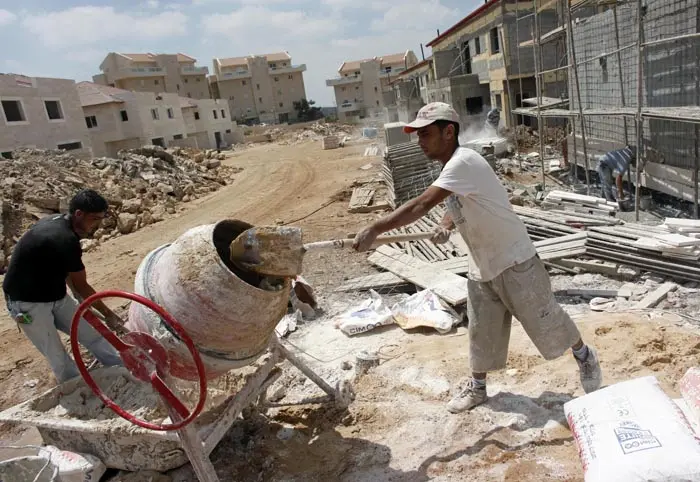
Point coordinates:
pixel 357 87
pixel 177 136
pixel 189 95
pixel 277 79
pixel 171 114
pixel 216 116
pixel 284 64
pixel 223 114
pixel 178 87
pixel 198 79
pixel 375 89
pixel 377 102
pixel 244 82
pixel 258 85
pixel 91 121
pixel 260 99
pixel 497 98
pixel 70 146
pixel 228 131
pixel 155 114
pixel 6 154
pixel 604 66
pixel 290 77
pixel 343 89
pixel 231 98
pixel 53 109
pixel 475 105
pixel 196 116
pixel 281 104
pixel 495 44
pixel 477 46
pixel 125 116
pixel 13 111
pixel 274 66
pixel 157 82
pixel 186 81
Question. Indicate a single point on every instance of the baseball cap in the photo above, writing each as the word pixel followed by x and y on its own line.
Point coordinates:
pixel 430 113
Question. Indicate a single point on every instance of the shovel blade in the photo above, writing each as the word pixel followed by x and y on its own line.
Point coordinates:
pixel 269 250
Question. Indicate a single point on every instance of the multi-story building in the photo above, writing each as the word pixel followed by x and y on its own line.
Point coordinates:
pixel 41 112
pixel 120 119
pixel 410 91
pixel 259 88
pixel 362 88
pixel 169 73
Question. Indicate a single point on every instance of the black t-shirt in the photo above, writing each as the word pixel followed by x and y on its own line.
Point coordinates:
pixel 41 261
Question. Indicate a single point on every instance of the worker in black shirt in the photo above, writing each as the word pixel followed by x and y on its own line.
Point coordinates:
pixel 45 259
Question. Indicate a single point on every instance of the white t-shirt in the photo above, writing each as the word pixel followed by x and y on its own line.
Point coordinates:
pixel 496 237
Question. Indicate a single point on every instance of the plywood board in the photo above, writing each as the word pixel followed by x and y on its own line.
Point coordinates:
pixel 450 287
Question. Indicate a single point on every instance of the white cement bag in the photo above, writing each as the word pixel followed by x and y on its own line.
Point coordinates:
pixel 74 467
pixel 632 431
pixel 370 314
pixel 424 309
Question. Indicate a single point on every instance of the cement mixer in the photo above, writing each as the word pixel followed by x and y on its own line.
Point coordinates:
pixel 194 316
pixel 230 314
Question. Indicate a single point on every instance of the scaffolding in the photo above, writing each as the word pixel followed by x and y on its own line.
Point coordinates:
pixel 616 49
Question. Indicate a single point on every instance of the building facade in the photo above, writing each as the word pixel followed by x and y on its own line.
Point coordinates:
pixel 363 87
pixel 158 73
pixel 259 88
pixel 41 112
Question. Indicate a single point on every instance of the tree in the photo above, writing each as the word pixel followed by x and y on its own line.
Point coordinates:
pixel 306 110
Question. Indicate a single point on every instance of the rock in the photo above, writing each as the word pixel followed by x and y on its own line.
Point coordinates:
pixel 147 218
pixel 186 199
pixel 212 164
pixel 221 157
pixel 199 157
pixel 89 244
pixel 178 192
pixel 158 213
pixel 346 365
pixel 50 203
pixel 516 201
pixel 278 394
pixel 126 223
pixel 132 206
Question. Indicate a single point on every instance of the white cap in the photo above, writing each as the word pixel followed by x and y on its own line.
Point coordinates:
pixel 430 113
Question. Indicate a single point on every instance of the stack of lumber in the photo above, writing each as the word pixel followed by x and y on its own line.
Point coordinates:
pixel 364 200
pixel 686 227
pixel 578 203
pixel 330 142
pixel 407 172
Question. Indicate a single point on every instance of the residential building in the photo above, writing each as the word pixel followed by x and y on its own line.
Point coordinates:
pixel 410 91
pixel 119 119
pixel 259 88
pixel 362 88
pixel 167 73
pixel 476 60
pixel 41 112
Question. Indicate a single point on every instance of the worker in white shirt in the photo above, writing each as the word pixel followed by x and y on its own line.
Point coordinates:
pixel 506 277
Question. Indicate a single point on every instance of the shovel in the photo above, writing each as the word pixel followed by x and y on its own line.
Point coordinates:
pixel 279 250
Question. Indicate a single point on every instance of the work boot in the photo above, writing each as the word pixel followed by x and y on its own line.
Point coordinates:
pixel 591 375
pixel 467 399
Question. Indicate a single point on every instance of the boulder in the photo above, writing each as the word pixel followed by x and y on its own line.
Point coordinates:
pixel 132 206
pixel 158 213
pixel 212 164
pixel 126 222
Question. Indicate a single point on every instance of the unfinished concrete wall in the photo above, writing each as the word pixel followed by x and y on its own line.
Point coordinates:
pixel 445 63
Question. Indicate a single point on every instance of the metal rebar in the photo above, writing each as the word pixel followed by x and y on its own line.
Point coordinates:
pixel 640 99
pixel 572 63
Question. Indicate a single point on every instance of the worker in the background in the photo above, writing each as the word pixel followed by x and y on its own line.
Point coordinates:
pixel 493 119
pixel 615 164
pixel 47 257
pixel 506 277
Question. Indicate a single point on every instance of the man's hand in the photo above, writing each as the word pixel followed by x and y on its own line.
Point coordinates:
pixel 365 239
pixel 440 235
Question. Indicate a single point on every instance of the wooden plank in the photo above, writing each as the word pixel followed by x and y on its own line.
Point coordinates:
pixel 450 287
pixel 656 296
pixel 361 199
pixel 550 255
pixel 561 239
pixel 609 269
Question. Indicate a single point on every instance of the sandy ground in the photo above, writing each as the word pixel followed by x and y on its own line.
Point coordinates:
pixel 397 429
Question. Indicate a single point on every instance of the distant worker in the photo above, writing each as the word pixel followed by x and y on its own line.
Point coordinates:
pixel 615 164
pixel 46 258
pixel 506 276
pixel 493 119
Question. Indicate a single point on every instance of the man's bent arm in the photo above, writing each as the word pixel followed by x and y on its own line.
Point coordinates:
pixel 412 211
pixel 78 283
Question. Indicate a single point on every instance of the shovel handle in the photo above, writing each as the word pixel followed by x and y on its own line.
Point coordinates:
pixel 343 243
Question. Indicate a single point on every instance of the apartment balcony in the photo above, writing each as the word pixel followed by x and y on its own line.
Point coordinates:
pixel 135 72
pixel 350 106
pixel 288 70
pixel 351 79
pixel 238 74
pixel 192 70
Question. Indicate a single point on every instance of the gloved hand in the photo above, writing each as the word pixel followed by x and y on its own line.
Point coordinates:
pixel 440 235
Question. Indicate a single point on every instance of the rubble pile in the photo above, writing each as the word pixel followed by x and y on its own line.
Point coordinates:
pixel 529 137
pixel 142 186
pixel 314 132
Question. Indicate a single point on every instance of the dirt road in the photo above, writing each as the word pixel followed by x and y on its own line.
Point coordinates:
pixel 277 183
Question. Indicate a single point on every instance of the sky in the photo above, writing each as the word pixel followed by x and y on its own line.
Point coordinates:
pixel 70 38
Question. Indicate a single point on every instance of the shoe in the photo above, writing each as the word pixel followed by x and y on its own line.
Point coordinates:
pixel 467 399
pixel 591 375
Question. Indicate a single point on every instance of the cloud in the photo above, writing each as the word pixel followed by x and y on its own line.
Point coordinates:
pixel 6 17
pixel 152 4
pixel 79 26
pixel 251 22
pixel 414 15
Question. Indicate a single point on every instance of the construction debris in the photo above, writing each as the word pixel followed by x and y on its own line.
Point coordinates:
pixel 142 186
pixel 331 142
pixel 407 172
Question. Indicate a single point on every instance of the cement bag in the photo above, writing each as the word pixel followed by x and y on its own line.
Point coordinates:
pixel 74 467
pixel 690 389
pixel 370 314
pixel 632 431
pixel 28 468
pixel 424 308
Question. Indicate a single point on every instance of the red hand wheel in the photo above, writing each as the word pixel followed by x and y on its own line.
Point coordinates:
pixel 144 357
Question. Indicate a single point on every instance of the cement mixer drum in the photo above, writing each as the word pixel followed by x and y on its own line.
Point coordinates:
pixel 223 309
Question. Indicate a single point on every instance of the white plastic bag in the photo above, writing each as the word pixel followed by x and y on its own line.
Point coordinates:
pixel 370 314
pixel 632 431
pixel 424 308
